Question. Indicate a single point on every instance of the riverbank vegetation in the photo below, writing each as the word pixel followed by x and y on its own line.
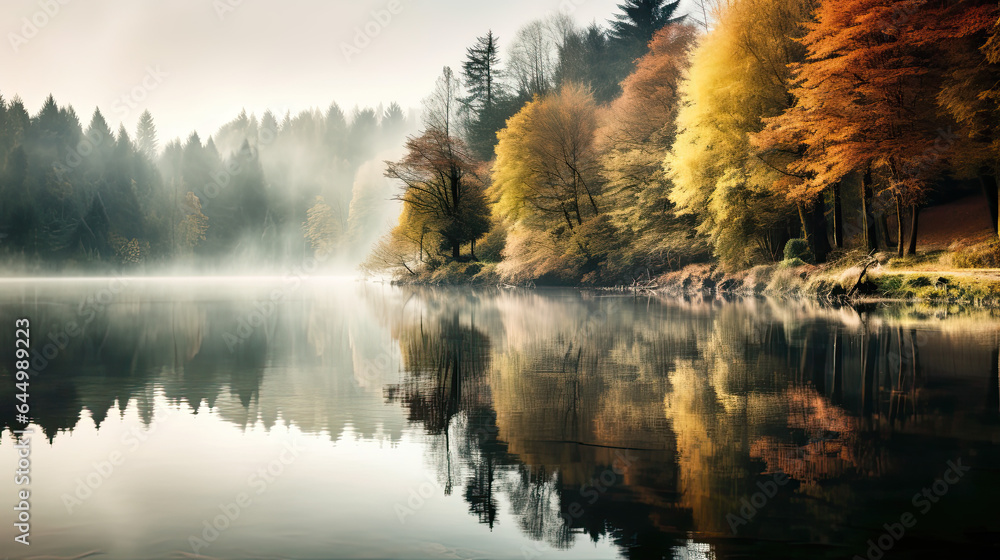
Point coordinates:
pixel 620 154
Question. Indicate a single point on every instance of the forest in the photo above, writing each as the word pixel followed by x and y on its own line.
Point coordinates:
pixel 259 194
pixel 745 133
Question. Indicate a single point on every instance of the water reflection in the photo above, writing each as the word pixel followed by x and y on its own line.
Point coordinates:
pixel 215 347
pixel 567 417
pixel 655 422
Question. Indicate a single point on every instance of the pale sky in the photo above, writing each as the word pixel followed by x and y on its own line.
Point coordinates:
pixel 196 63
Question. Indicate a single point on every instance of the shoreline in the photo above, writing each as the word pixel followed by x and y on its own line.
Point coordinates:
pixel 888 279
pixel 841 281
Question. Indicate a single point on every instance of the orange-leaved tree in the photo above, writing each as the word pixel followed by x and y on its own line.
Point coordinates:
pixel 864 102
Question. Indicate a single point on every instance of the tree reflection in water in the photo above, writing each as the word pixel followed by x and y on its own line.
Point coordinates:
pixel 642 421
pixel 710 399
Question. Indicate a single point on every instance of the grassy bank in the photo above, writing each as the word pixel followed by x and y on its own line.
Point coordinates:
pixel 947 276
pixel 966 272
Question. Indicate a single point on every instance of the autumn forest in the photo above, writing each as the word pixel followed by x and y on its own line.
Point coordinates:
pixel 730 134
pixel 746 132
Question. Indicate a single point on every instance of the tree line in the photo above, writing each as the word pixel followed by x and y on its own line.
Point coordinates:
pixel 260 192
pixel 595 155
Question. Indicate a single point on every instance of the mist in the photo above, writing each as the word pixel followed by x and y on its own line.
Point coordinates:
pixel 269 194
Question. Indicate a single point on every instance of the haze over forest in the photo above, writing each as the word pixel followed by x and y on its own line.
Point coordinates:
pixel 88 192
pixel 568 151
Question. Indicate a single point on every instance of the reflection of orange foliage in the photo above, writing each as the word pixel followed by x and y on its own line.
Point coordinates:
pixel 832 437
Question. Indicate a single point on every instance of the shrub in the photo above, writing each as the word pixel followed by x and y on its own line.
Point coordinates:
pixel 797 249
pixel 985 255
pixel 487 274
pixel 490 247
pixel 451 273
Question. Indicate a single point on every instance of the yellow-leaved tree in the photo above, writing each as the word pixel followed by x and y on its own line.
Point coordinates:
pixel 738 76
pixel 547 189
pixel 637 133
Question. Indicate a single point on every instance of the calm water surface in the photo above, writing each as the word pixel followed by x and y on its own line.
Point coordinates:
pixel 234 418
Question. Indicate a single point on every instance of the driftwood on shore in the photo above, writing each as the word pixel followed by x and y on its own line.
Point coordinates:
pixel 864 270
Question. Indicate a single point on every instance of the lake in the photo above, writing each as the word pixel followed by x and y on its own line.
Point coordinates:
pixel 328 418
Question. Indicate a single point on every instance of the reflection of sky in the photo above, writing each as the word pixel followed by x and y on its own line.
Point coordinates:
pixel 687 395
pixel 322 386
pixel 336 499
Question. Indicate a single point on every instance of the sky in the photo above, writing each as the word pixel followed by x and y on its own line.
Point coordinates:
pixel 195 64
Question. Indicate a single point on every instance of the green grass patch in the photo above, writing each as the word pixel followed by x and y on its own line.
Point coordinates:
pixel 792 263
pixel 918 282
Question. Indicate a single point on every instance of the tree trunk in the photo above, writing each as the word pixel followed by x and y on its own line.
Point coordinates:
pixel 989 183
pixel 868 223
pixel 779 238
pixel 838 368
pixel 569 222
pixel 838 217
pixel 814 227
pixel 915 215
pixel 899 225
pixel 456 250
pixel 804 223
pixel 822 235
pixel 883 225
